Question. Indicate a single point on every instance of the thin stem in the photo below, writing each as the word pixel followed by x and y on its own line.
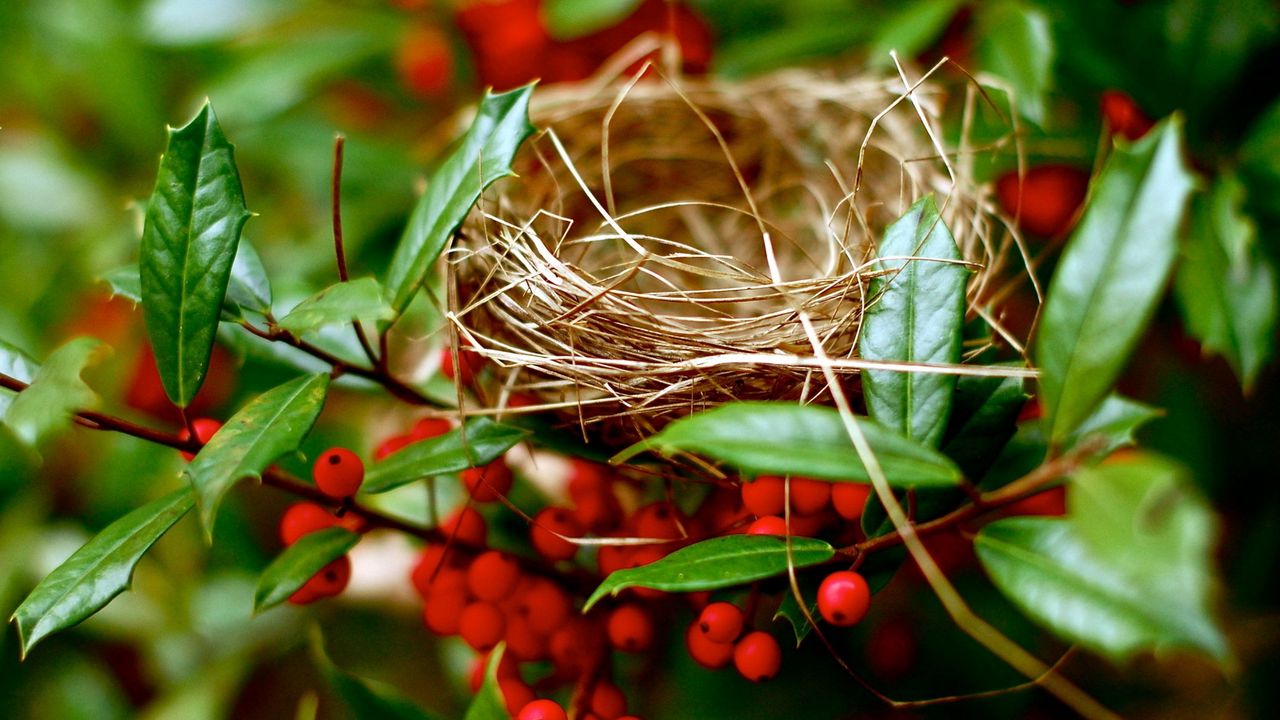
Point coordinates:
pixel 280 480
pixel 339 144
pixel 378 373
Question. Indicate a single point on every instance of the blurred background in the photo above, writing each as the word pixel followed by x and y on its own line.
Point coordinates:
pixel 88 86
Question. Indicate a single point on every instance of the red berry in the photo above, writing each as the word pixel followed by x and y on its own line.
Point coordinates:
pixel 515 693
pixel 849 499
pixel 658 520
pixel 764 495
pixel 548 526
pixel 493 576
pixel 757 656
pixel 1123 115
pixel 843 598
pixel 487 482
pixel 721 622
pixel 391 445
pixel 469 361
pixel 547 606
pixel 1047 197
pixel 424 61
pixel 612 558
pixel 542 710
pixel 809 497
pixel 573 646
pixel 630 628
pixel 330 581
pixel 206 428
pixel 435 566
pixel 338 472
pixel 599 513
pixel 427 428
pixel 466 526
pixel 707 653
pixel 482 625
pixel 442 613
pixel 523 643
pixel 768 525
pixel 304 518
pixel 1047 503
pixel 607 701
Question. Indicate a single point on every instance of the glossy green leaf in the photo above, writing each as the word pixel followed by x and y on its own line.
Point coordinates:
pixel 1225 285
pixel 789 608
pixel 1260 163
pixel 55 393
pixel 1128 572
pixel 97 572
pixel 788 439
pixel 18 365
pixel 1016 43
pixel 568 19
pixel 1114 423
pixel 1111 275
pixel 488 703
pixel 915 315
pixel 485 155
pixel 366 699
pixel 909 29
pixel 247 289
pixel 189 241
pixel 984 416
pixel 272 424
pixel 480 441
pixel 716 563
pixel 299 563
pixel 343 302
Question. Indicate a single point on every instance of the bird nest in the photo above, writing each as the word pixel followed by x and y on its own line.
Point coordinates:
pixel 663 238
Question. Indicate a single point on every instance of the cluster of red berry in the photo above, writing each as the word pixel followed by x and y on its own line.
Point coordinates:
pixel 338 473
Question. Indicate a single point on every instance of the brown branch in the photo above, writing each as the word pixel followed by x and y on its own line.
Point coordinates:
pixel 339 143
pixel 1028 484
pixel 280 480
pixel 379 374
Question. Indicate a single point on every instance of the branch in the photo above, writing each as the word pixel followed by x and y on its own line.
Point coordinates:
pixel 282 480
pixel 1028 484
pixel 340 252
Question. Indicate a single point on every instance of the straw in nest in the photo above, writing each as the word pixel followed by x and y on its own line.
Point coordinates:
pixel 653 256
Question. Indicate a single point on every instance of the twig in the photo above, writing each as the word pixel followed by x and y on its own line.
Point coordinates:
pixel 339 143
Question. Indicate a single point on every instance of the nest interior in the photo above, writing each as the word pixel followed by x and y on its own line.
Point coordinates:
pixel 654 254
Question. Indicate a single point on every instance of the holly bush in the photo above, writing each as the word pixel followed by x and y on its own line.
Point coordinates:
pixel 256 335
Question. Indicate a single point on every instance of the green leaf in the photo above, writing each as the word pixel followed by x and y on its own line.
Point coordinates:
pixel 787 439
pixel 18 365
pixel 1016 43
pixel 790 611
pixel 247 289
pixel 915 315
pixel 272 424
pixel 716 563
pixel 488 703
pixel 1260 163
pixel 1226 287
pixel 97 572
pixel 1116 420
pixel 343 302
pixel 1111 275
pixel 1128 572
pixel 365 699
pixel 479 441
pixel 984 416
pixel 909 29
pixel 485 155
pixel 299 563
pixel 193 225
pixel 568 19
pixel 55 393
